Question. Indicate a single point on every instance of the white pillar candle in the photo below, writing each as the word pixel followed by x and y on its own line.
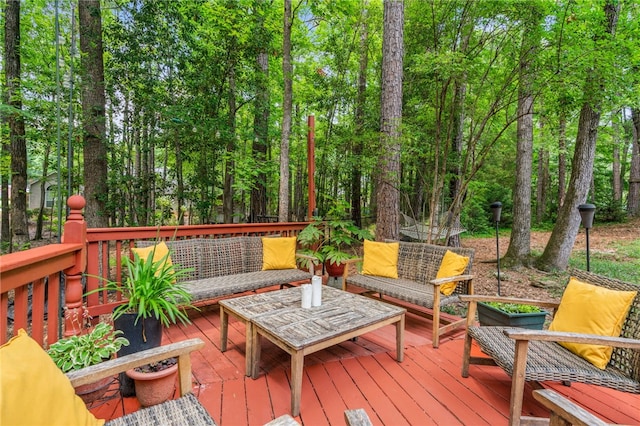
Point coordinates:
pixel 316 286
pixel 307 293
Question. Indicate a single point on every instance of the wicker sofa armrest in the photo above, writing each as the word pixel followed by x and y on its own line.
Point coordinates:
pixel 181 350
pixel 457 279
pixel 561 336
pixel 347 264
pixel 307 257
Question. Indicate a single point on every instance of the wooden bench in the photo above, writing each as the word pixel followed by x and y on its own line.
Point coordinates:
pixel 225 266
pixel 418 265
pixel 535 356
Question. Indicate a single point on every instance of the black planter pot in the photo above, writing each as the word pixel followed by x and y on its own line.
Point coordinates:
pixel 488 315
pixel 146 334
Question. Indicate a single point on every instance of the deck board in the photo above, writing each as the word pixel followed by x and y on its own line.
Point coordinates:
pixel 425 389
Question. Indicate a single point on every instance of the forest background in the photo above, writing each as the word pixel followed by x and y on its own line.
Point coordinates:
pixel 532 103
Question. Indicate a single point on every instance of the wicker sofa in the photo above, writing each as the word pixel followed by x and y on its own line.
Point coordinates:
pixel 418 264
pixel 535 356
pixel 225 266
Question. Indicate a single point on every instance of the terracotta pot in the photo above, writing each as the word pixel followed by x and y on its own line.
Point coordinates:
pixel 93 391
pixel 334 269
pixel 155 387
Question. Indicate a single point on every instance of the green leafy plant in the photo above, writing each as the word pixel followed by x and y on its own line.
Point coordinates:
pixel 76 352
pixel 152 289
pixel 332 240
pixel 514 308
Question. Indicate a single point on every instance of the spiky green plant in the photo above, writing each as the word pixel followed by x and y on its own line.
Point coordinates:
pixel 152 289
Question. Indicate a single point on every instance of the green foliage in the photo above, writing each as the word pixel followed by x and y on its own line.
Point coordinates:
pixel 476 215
pixel 76 352
pixel 623 263
pixel 514 308
pixel 333 239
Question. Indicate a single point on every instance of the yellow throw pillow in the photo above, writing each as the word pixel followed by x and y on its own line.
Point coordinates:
pixel 159 251
pixel 278 253
pixel 34 391
pixel 380 259
pixel 452 264
pixel 591 309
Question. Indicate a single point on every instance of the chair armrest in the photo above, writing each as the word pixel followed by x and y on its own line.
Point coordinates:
pixel 561 408
pixel 563 336
pixel 474 298
pixel 182 350
pixel 457 278
pixel 345 274
pixel 307 257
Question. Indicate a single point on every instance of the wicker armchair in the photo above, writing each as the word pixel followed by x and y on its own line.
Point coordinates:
pixel 535 356
pixel 185 410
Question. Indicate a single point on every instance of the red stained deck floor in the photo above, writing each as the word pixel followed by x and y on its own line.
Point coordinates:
pixel 425 389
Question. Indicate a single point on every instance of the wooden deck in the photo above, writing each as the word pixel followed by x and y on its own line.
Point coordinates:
pixel 425 389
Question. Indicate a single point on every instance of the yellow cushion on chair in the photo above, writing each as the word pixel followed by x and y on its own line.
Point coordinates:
pixel 278 253
pixel 591 309
pixel 34 391
pixel 380 259
pixel 159 251
pixel 452 264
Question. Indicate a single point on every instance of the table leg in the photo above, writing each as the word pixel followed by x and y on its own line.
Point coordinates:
pixel 224 327
pixel 400 339
pixel 253 351
pixel 250 349
pixel 297 364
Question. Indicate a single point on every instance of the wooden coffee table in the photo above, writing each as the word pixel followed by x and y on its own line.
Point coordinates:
pixel 278 316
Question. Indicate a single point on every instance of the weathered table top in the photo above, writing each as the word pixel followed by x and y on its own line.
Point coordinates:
pixel 280 313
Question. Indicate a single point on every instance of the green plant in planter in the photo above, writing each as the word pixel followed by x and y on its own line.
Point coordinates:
pixel 76 352
pixel 152 289
pixel 331 240
pixel 514 308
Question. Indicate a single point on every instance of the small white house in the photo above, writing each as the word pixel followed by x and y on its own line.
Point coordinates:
pixel 34 189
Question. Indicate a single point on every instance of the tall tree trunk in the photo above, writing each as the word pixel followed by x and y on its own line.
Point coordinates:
pixel 562 156
pixel 179 181
pixel 5 230
pixel 227 191
pixel 556 253
pixel 633 200
pixel 616 179
pixel 287 73
pixel 542 187
pixel 454 162
pixel 93 113
pixel 520 240
pixel 361 100
pixel 43 190
pixel 388 197
pixel 18 217
pixel 260 143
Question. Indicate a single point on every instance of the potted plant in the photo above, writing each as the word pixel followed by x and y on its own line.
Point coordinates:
pixel 332 242
pixel 76 352
pixel 511 314
pixel 153 296
pixel 155 382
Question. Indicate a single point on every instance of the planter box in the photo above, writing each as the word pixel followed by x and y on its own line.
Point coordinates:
pixel 488 315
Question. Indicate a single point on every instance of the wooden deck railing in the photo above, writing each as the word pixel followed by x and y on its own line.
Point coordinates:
pixel 84 260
